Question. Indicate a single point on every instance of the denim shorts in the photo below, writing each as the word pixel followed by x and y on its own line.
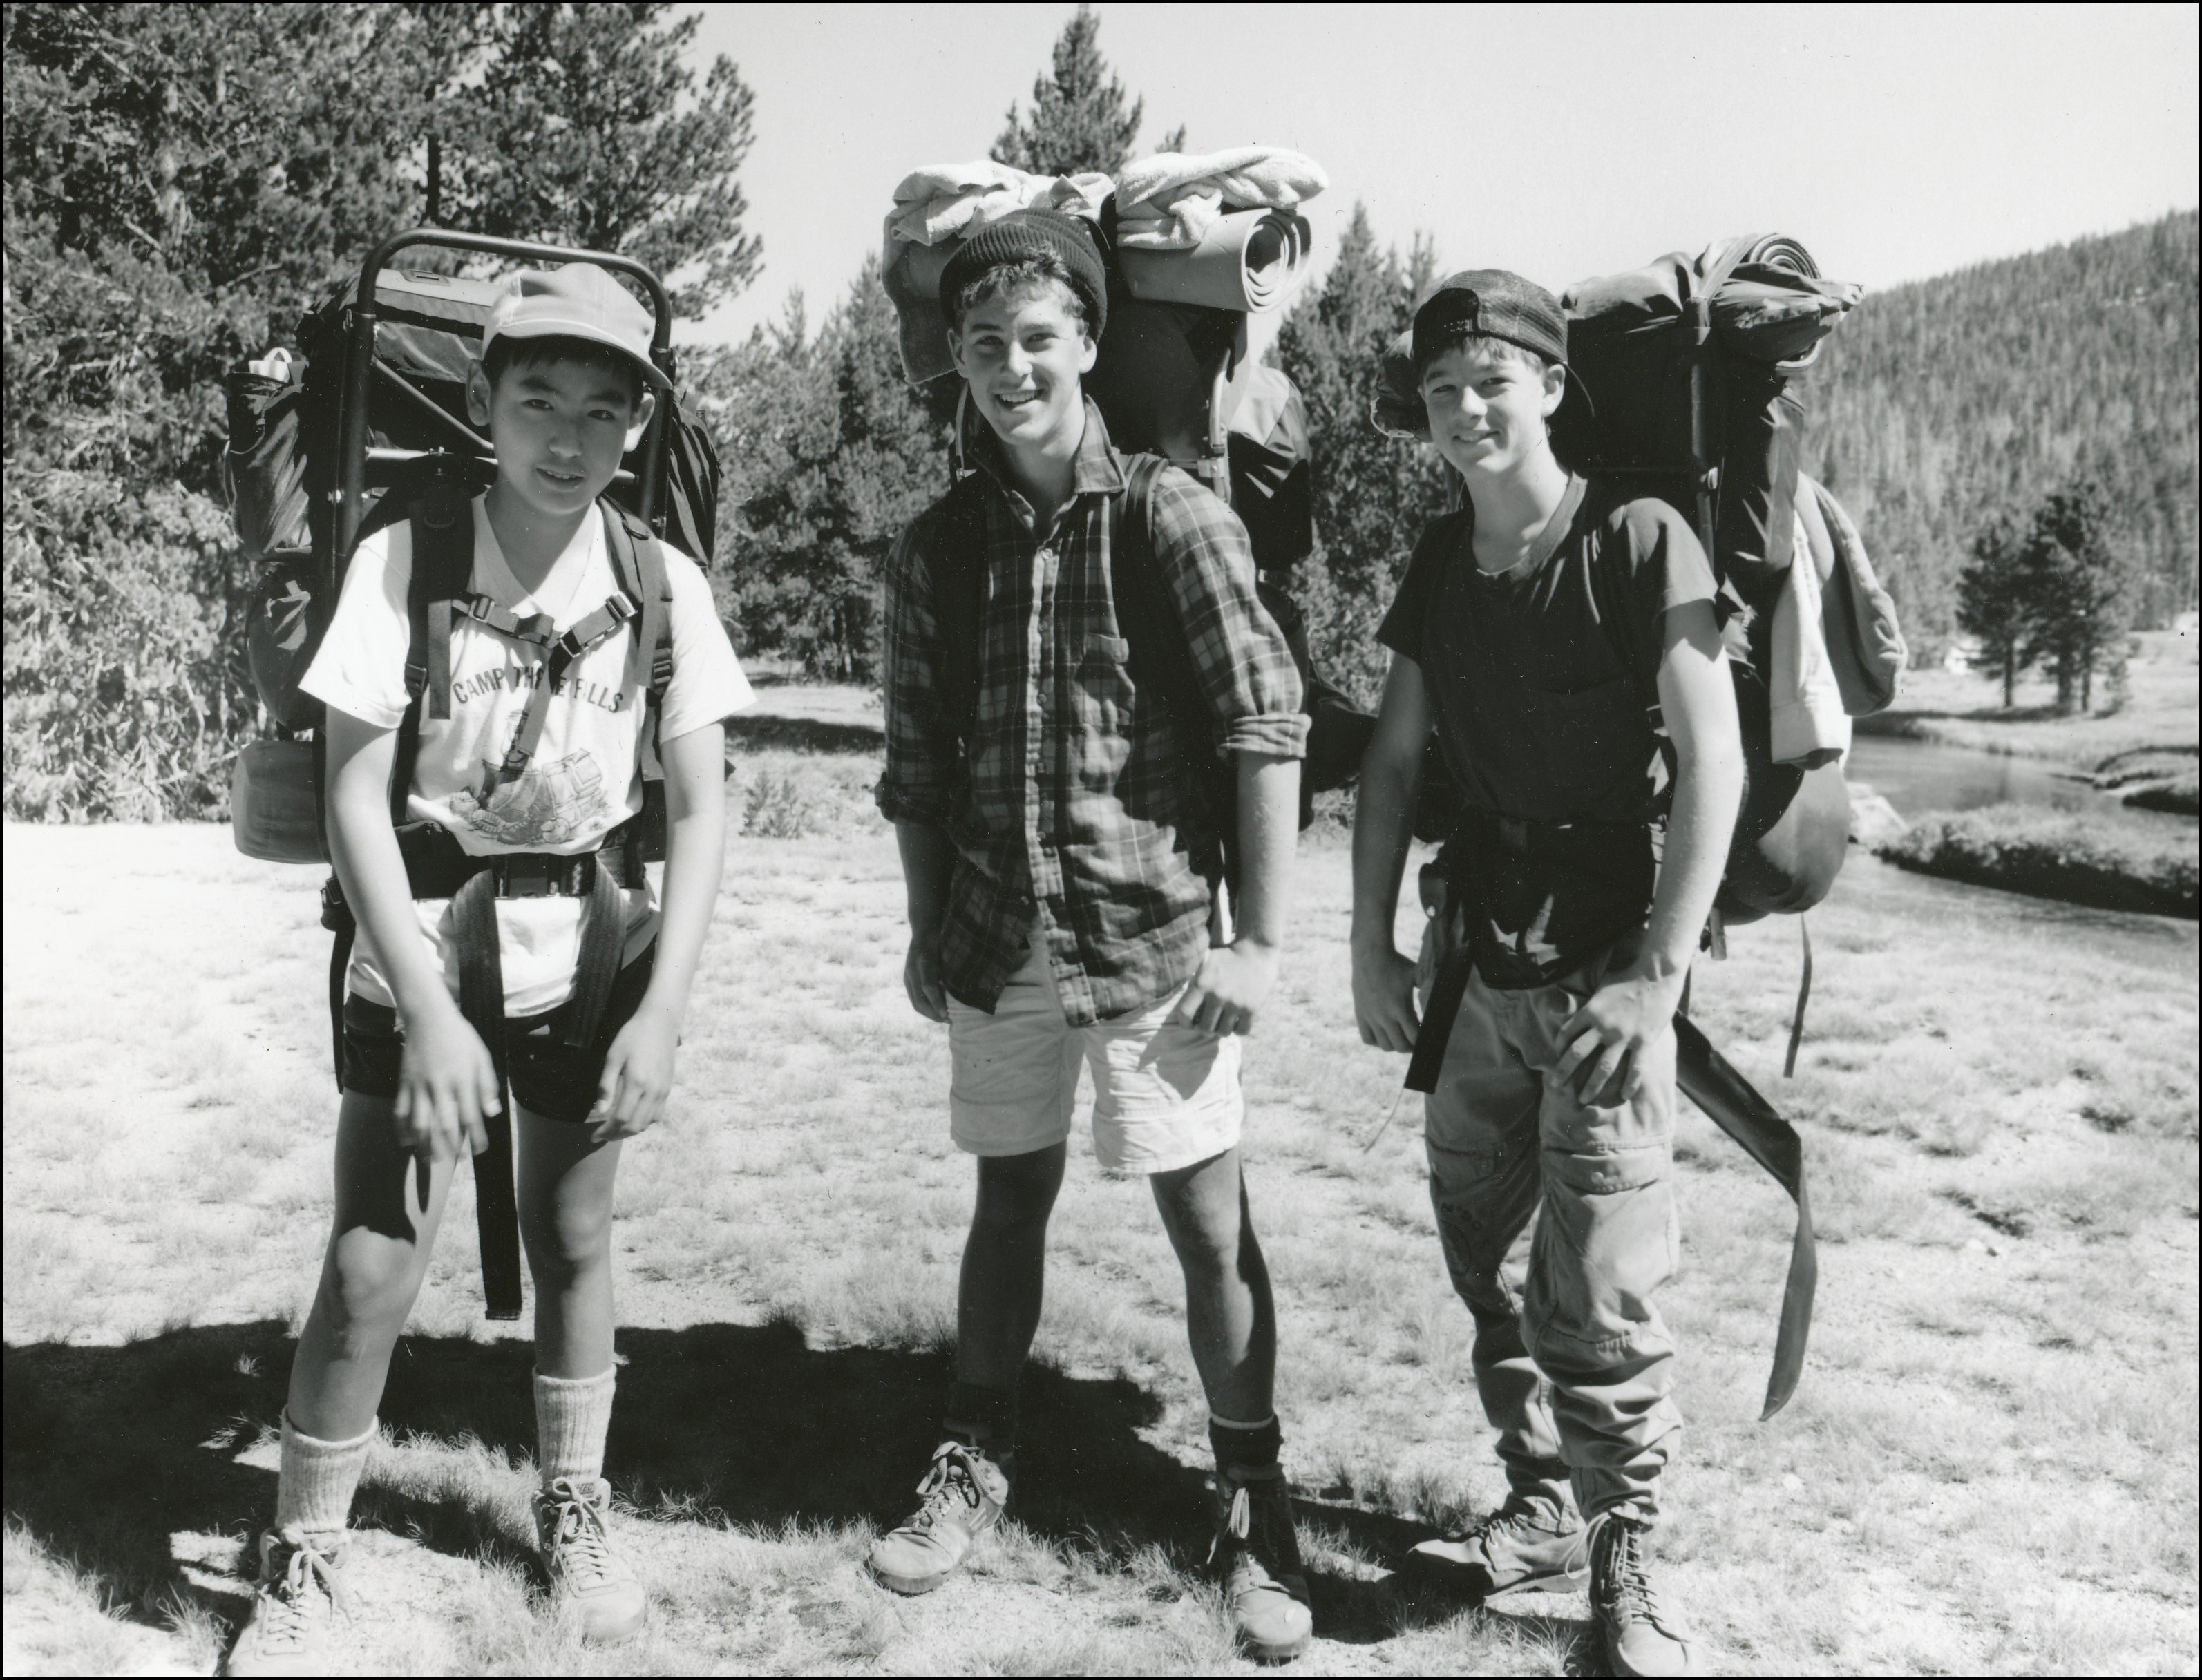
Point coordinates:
pixel 549 1077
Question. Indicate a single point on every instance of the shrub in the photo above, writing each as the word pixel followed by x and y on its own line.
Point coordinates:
pixel 2093 858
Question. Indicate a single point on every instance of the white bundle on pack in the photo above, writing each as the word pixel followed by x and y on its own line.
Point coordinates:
pixel 1171 202
pixel 945 201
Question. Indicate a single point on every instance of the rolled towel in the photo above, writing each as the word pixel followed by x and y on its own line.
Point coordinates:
pixel 1249 260
pixel 1169 201
pixel 945 201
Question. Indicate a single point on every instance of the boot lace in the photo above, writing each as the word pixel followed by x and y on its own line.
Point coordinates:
pixel 950 1488
pixel 287 1600
pixel 1626 1588
pixel 577 1534
pixel 1248 1528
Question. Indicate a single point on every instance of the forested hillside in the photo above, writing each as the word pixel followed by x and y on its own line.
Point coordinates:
pixel 1947 403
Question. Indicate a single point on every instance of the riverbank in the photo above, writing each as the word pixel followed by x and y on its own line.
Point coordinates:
pixel 2157 713
pixel 2100 858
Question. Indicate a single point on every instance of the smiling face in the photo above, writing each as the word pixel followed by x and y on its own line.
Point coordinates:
pixel 1488 403
pixel 561 425
pixel 1025 352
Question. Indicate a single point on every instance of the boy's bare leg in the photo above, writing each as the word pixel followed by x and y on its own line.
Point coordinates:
pixel 566 1225
pixel 377 1256
pixel 997 1299
pixel 1230 1316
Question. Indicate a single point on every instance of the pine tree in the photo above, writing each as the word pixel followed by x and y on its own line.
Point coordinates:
pixel 588 129
pixel 1373 494
pixel 1993 602
pixel 2075 589
pixel 1079 120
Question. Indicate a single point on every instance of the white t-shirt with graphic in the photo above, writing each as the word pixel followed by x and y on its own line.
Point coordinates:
pixel 585 775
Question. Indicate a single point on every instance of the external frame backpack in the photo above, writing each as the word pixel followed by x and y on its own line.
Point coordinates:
pixel 1680 386
pixel 374 429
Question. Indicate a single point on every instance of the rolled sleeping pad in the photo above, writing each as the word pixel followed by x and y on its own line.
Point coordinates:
pixel 913 283
pixel 1251 262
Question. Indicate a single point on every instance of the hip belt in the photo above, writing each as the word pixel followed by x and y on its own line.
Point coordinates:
pixel 437 867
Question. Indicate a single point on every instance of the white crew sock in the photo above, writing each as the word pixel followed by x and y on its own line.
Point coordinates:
pixel 573 1415
pixel 314 1489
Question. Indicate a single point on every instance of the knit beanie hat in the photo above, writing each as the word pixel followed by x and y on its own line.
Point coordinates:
pixel 1027 233
pixel 1491 303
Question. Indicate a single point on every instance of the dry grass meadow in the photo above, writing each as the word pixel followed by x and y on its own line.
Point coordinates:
pixel 1991 1465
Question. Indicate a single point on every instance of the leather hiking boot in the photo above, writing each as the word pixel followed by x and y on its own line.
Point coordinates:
pixel 1642 1636
pixel 300 1595
pixel 1507 1550
pixel 963 1495
pixel 1257 1554
pixel 578 1555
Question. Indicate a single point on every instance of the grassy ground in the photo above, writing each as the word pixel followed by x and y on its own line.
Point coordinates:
pixel 1991 1465
pixel 1965 708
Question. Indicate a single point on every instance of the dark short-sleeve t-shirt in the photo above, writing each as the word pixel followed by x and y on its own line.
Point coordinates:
pixel 1540 680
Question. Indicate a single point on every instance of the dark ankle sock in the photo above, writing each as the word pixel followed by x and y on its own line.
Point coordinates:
pixel 985 1417
pixel 1246 1446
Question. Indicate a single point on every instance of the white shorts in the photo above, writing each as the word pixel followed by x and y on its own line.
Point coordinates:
pixel 1165 1095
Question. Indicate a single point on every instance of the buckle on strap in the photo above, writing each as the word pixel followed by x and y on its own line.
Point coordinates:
pixel 531 875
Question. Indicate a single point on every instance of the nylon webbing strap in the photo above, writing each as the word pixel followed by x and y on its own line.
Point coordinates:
pixel 1447 988
pixel 481 1001
pixel 603 940
pixel 1708 1079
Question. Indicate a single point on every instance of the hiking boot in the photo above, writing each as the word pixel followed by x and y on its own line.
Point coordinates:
pixel 300 1593
pixel 578 1555
pixel 1257 1553
pixel 1642 1636
pixel 1512 1548
pixel 963 1495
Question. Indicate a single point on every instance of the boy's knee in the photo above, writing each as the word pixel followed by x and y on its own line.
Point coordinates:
pixel 365 1295
pixel 566 1245
pixel 1017 1192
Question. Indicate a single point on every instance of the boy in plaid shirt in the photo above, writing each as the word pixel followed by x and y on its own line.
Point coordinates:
pixel 1058 842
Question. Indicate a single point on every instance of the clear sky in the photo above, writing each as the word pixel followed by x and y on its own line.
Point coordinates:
pixel 1896 142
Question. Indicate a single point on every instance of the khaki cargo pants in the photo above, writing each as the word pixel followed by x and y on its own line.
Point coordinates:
pixel 1558 1223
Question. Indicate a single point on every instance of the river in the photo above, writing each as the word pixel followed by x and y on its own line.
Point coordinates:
pixel 1920 776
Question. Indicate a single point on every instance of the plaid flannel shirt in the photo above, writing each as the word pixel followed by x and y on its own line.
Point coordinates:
pixel 1066 795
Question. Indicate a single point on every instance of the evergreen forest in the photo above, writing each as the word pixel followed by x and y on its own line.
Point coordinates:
pixel 1943 406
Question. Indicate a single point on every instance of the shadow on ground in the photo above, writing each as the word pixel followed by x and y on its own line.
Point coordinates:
pixel 110 1451
pixel 807 735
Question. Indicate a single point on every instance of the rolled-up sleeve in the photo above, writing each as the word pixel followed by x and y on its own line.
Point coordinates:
pixel 1244 664
pixel 924 751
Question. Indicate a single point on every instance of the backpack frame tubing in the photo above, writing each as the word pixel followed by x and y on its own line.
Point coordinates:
pixel 360 361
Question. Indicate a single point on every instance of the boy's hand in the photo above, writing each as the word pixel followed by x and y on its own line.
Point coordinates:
pixel 1384 998
pixel 447 1087
pixel 637 1075
pixel 1604 1040
pixel 921 977
pixel 1233 982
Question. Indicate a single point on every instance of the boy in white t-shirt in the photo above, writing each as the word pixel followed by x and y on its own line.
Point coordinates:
pixel 514 839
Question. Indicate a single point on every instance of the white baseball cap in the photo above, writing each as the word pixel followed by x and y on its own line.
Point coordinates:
pixel 579 300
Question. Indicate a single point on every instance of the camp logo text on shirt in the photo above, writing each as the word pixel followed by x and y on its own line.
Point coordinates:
pixel 517 678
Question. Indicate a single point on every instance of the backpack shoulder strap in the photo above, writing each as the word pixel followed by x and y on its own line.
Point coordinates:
pixel 443 567
pixel 639 564
pixel 954 555
pixel 1145 607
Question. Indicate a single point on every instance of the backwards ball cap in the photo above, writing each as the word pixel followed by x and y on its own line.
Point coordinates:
pixel 1022 235
pixel 579 300
pixel 1490 303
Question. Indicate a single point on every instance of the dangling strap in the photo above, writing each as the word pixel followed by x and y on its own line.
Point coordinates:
pixel 1707 1077
pixel 481 1001
pixel 1804 997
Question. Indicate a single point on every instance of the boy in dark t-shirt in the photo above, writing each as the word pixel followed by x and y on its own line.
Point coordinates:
pixel 1534 632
